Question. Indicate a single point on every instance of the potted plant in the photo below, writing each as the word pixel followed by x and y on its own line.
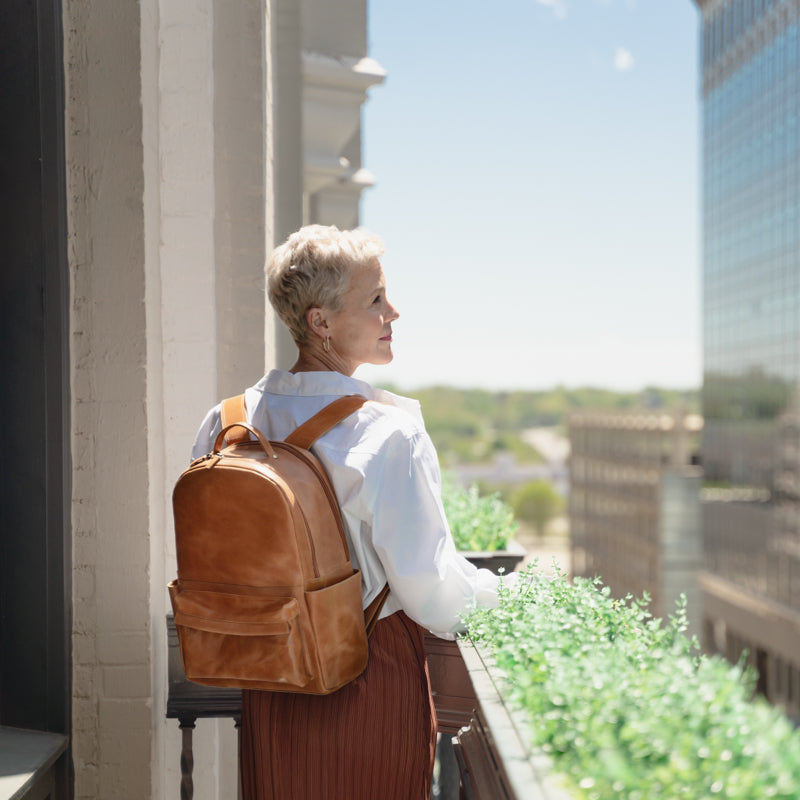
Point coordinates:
pixel 483 526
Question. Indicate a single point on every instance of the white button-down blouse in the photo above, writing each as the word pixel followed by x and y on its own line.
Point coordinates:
pixel 385 473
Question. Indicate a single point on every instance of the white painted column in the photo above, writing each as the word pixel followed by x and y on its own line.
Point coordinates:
pixel 112 677
pixel 287 145
pixel 209 179
pixel 241 196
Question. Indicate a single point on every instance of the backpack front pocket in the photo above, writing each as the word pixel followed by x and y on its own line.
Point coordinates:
pixel 231 639
pixel 338 622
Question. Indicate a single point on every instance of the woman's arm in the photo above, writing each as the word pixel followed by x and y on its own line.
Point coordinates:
pixel 433 583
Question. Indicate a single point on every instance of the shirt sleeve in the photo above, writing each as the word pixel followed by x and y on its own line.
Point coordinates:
pixel 207 434
pixel 430 580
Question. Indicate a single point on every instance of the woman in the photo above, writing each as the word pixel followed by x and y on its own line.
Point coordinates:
pixel 376 736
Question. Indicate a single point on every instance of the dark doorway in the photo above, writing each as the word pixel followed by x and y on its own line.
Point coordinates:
pixel 35 675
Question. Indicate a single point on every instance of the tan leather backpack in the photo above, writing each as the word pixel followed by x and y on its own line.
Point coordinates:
pixel 266 595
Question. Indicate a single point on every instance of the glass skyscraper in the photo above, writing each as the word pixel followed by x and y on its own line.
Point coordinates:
pixel 750 76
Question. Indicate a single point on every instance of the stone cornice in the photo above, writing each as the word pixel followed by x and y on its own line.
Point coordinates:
pixel 346 74
pixel 334 90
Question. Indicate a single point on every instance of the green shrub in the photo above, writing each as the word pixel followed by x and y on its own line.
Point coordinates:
pixel 625 705
pixel 536 502
pixel 478 522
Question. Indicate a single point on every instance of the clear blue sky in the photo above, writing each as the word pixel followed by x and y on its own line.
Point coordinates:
pixel 537 190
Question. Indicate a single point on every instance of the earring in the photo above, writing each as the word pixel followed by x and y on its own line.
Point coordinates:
pixel 326 345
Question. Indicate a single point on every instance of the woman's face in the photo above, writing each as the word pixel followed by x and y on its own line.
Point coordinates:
pixel 361 332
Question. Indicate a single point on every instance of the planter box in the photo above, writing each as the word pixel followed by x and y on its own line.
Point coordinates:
pixel 494 757
pixel 494 560
pixel 495 761
pixel 451 686
pixel 452 689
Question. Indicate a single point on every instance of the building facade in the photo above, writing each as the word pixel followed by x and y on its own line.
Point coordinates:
pixel 750 79
pixel 634 505
pixel 153 153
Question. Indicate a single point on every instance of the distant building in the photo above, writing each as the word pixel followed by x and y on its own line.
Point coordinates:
pixel 634 507
pixel 750 74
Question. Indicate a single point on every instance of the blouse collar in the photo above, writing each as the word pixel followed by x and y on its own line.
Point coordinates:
pixel 309 384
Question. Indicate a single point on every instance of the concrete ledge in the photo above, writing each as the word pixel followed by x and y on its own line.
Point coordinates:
pixel 26 758
pixel 495 748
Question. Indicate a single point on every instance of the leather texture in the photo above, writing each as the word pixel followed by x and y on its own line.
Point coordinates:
pixel 266 595
pixel 234 410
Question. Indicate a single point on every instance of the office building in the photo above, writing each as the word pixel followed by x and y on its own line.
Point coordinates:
pixel 634 510
pixel 750 80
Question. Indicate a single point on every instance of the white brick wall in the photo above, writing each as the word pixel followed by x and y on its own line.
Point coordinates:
pixel 111 718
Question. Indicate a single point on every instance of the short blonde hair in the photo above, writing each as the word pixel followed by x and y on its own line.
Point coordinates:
pixel 312 268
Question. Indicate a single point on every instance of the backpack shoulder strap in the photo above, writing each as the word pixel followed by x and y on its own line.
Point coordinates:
pixel 373 610
pixel 324 420
pixel 232 411
pixel 305 436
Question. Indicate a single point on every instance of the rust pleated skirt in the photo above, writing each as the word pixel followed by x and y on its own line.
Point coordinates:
pixel 374 738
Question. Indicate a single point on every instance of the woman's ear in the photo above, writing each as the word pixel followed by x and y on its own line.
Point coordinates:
pixel 317 322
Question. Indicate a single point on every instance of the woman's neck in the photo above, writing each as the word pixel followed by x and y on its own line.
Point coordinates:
pixel 312 359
